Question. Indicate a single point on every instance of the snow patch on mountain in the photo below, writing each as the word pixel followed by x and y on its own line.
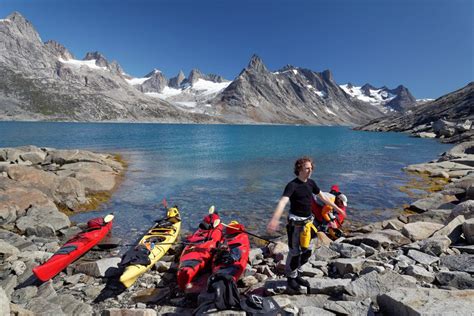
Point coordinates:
pixel 165 94
pixel 79 63
pixel 206 87
pixel 136 81
pixel 375 97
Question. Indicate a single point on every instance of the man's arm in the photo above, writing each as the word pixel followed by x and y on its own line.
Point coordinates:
pixel 275 221
pixel 323 198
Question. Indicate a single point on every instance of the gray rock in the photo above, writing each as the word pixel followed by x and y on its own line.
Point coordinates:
pixel 422 301
pixel 99 268
pixel 4 302
pixel 421 274
pixel 327 286
pixel 7 250
pixel 41 306
pixel 348 265
pixel 40 220
pixel 18 267
pixel 71 306
pixel 324 253
pixel 373 284
pixel 18 241
pixel 47 291
pixel 465 208
pixel 17 310
pixel 453 229
pixel 312 310
pixel 310 271
pixel 136 312
pixel 420 230
pixel 35 158
pixel 432 202
pixel 23 295
pixel 278 250
pixel 385 238
pixel 457 279
pixel 435 245
pixel 369 251
pixel 349 308
pixel 255 255
pixel 463 263
pixel 464 248
pixel 468 231
pixel 393 223
pixel 347 250
pixel 9 284
pixel 421 257
pixel 249 280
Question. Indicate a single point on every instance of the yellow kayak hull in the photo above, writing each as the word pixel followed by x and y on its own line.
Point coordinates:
pixel 167 235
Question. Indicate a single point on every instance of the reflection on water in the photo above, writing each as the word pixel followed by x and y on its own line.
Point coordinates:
pixel 240 169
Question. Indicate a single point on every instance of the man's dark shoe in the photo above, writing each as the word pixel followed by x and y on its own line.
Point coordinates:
pixel 293 284
pixel 304 283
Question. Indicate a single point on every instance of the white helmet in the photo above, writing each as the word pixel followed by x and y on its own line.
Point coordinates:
pixel 343 199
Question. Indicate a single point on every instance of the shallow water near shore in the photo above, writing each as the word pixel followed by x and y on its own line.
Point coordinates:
pixel 241 169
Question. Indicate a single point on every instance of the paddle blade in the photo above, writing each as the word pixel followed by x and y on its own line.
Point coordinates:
pixel 212 209
pixel 165 203
pixel 108 218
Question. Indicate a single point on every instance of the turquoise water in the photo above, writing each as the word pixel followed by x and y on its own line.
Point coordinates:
pixel 242 170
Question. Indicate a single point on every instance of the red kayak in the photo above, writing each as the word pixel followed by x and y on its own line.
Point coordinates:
pixel 195 257
pixel 97 229
pixel 232 254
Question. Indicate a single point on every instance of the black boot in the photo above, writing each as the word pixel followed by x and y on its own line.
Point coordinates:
pixel 304 283
pixel 293 284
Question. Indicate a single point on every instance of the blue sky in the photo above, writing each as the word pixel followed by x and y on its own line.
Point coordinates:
pixel 426 45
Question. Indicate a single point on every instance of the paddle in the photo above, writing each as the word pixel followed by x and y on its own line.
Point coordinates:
pixel 251 234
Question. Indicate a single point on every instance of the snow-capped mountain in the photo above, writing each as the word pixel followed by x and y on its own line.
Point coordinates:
pixel 45 81
pixel 388 100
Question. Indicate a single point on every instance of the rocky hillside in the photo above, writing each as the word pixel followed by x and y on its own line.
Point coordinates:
pixel 449 117
pixel 43 81
pixel 291 94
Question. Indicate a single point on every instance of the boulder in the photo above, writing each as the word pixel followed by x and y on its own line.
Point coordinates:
pixel 255 255
pixel 313 310
pixel 468 231
pixel 393 223
pixel 40 306
pixel 96 181
pixel 435 245
pixel 42 221
pixel 420 273
pixel 62 157
pixel 463 263
pixel 47 291
pixel 347 265
pixel 452 230
pixel 71 305
pixel 100 268
pixel 373 284
pixel 421 257
pixel 384 238
pixel 4 302
pixel 348 308
pixel 423 301
pixel 327 286
pixel 439 216
pixel 457 279
pixel 465 208
pixel 7 250
pixel 35 158
pixel 347 250
pixel 69 192
pixel 432 202
pixel 324 253
pixel 278 250
pixel 420 230
pixel 23 295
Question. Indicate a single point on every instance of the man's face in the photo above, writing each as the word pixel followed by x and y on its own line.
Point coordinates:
pixel 306 170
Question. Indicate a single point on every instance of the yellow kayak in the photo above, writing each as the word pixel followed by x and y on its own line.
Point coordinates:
pixel 156 242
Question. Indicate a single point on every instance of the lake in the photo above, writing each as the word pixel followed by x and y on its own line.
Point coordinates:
pixel 241 169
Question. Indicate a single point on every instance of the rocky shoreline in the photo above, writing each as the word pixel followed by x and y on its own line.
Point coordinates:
pixel 420 263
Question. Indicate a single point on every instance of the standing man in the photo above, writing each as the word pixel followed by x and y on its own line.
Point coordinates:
pixel 299 192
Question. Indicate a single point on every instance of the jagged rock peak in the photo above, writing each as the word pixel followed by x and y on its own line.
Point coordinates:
pixel 350 85
pixel 194 75
pixel 153 72
pixel 288 67
pixel 215 78
pixel 115 67
pixel 257 64
pixel 175 82
pixel 58 50
pixel 24 26
pixel 100 59
pixel 327 75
